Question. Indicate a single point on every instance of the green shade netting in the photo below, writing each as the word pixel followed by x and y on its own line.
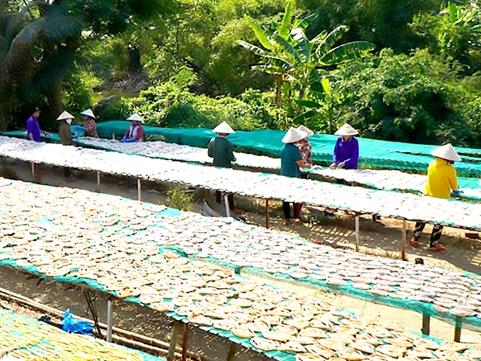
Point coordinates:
pixel 373 153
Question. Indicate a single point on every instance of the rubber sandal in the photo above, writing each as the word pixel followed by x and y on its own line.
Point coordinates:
pixel 438 248
pixel 414 243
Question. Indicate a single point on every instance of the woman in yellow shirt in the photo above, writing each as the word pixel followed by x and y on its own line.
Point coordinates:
pixel 441 182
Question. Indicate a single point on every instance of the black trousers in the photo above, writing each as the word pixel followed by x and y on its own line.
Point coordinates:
pixel 435 235
pixel 230 197
pixel 286 208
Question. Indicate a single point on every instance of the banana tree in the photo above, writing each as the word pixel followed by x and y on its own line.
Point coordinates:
pixel 293 58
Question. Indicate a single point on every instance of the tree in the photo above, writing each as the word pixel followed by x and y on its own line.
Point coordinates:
pixel 454 33
pixel 44 40
pixel 299 61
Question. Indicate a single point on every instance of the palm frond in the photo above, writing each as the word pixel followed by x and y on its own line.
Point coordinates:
pixel 347 52
pixel 326 42
pixel 283 29
pixel 302 44
pixel 60 27
pixel 287 47
pixel 252 48
pixel 53 67
pixel 260 34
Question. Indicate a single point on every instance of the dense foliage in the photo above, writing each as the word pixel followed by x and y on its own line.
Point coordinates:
pixel 405 70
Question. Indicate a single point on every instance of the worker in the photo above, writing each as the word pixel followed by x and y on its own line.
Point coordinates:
pixel 442 183
pixel 135 133
pixel 222 152
pixel 64 131
pixel 33 126
pixel 291 161
pixel 65 119
pixel 90 125
pixel 346 151
pixel 305 148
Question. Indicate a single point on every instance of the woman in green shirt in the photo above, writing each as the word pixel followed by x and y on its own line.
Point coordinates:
pixel 222 152
pixel 291 161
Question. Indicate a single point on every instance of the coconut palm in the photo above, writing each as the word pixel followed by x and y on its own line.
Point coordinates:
pixel 35 51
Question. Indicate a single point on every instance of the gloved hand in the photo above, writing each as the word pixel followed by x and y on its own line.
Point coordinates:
pixel 456 193
pixel 127 140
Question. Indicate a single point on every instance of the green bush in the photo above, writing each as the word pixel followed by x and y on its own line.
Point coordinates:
pixel 111 107
pixel 173 105
pixel 413 98
pixel 178 197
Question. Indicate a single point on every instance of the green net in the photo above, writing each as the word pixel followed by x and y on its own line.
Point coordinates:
pixel 373 153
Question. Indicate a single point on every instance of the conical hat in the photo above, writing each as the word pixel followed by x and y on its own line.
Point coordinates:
pixel 89 113
pixel 346 129
pixel 223 128
pixel 306 130
pixel 65 115
pixel 446 152
pixel 135 118
pixel 294 135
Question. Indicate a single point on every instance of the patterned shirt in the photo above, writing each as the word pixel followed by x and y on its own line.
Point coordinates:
pixel 306 151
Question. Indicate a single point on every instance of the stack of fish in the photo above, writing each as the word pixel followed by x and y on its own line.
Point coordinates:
pixel 356 199
pixel 379 179
pixel 78 236
pixel 107 221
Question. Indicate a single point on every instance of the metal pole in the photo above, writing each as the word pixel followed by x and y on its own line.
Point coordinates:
pixel 458 328
pixel 426 325
pixel 403 242
pixel 98 181
pixel 32 165
pixel 109 320
pixel 267 213
pixel 357 233
pixel 139 190
pixel 227 208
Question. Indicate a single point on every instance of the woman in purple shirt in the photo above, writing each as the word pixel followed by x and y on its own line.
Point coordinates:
pixel 33 127
pixel 346 151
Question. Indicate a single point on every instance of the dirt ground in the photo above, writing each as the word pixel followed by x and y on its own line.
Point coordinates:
pixel 381 239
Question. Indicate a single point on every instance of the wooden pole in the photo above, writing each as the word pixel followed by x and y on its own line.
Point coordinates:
pixel 357 233
pixel 267 213
pixel 98 181
pixel 232 352
pixel 32 166
pixel 403 242
pixel 185 341
pixel 110 322
pixel 139 190
pixel 426 325
pixel 457 329
pixel 173 342
pixel 227 207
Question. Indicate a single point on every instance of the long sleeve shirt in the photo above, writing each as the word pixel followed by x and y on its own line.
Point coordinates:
pixel 347 152
pixel 290 155
pixel 222 152
pixel 33 129
pixel 441 180
pixel 64 133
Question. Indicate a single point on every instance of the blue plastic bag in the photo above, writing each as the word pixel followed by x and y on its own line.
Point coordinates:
pixel 72 325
